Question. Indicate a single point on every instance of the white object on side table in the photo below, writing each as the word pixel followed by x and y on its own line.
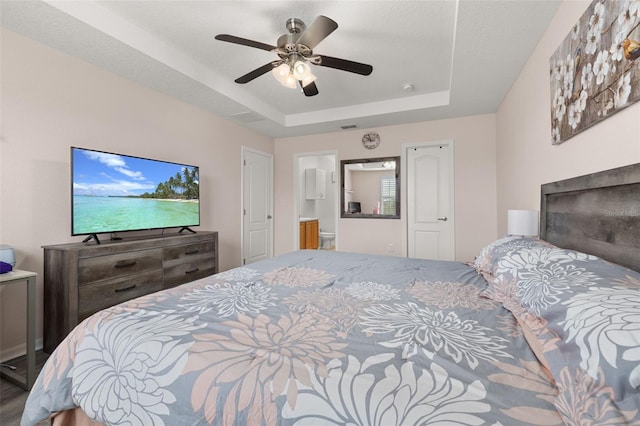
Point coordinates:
pixel 30 278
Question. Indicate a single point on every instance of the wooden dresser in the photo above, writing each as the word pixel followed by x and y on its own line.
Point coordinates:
pixel 81 279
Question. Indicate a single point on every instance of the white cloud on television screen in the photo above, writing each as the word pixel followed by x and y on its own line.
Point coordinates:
pixel 130 173
pixel 115 162
pixel 118 187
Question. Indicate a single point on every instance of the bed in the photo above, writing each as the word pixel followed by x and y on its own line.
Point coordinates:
pixel 531 332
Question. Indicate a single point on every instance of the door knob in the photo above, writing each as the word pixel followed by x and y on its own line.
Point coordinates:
pixel 444 219
pixel 268 216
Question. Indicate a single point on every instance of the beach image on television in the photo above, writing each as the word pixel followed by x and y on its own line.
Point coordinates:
pixel 114 193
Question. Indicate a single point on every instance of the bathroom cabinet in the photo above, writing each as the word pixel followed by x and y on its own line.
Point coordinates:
pixel 309 234
pixel 315 184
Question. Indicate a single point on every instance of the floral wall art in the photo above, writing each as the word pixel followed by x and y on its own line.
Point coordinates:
pixel 596 70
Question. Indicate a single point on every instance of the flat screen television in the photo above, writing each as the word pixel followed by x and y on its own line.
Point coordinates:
pixel 115 193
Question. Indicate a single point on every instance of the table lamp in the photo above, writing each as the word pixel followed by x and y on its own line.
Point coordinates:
pixel 522 222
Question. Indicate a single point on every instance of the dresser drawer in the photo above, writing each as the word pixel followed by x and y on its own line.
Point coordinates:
pixel 100 295
pixel 181 273
pixel 94 269
pixel 188 262
pixel 186 252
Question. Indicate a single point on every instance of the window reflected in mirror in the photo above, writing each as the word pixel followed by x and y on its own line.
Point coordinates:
pixel 370 188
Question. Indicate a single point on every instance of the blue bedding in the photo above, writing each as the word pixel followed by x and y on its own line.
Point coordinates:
pixel 307 338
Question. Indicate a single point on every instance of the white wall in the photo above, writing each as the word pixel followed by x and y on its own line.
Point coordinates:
pixel 525 157
pixel 51 101
pixel 475 183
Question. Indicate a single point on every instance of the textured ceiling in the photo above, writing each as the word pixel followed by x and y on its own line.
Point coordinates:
pixel 460 56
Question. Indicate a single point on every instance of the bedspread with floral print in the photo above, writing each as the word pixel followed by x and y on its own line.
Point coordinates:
pixel 584 316
pixel 307 338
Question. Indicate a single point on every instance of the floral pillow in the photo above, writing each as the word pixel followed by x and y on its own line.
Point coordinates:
pixel 533 273
pixel 487 260
pixel 596 359
pixel 583 317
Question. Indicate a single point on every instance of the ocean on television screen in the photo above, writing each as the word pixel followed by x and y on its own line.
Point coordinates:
pixel 110 214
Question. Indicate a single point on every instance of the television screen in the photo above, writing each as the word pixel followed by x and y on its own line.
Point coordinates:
pixel 115 192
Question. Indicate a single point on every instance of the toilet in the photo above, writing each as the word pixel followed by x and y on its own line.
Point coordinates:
pixel 326 240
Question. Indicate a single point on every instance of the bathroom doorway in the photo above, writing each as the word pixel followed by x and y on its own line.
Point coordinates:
pixel 316 186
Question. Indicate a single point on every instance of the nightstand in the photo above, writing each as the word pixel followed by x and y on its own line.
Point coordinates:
pixel 30 278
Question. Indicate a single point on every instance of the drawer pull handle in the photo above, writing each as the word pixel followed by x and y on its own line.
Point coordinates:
pixel 131 287
pixel 192 271
pixel 125 263
pixel 192 252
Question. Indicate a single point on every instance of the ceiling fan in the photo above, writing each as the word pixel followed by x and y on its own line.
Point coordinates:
pixel 295 50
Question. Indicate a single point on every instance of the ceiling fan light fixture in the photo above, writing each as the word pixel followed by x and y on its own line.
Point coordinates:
pixel 301 70
pixel 295 53
pixel 281 72
pixel 289 82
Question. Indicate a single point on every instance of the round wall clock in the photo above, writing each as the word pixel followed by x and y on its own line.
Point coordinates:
pixel 371 140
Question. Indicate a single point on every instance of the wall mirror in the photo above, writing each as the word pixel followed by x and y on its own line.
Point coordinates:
pixel 370 188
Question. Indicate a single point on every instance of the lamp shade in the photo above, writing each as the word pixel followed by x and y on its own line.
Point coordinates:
pixel 7 255
pixel 522 222
pixel 280 72
pixel 283 74
pixel 301 70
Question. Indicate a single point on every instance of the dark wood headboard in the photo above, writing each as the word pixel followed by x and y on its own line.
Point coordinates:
pixel 597 214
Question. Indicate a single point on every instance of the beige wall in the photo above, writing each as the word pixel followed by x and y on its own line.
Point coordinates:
pixel 526 159
pixel 51 101
pixel 475 183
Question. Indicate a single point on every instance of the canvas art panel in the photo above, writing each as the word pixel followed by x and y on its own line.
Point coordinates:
pixel 595 72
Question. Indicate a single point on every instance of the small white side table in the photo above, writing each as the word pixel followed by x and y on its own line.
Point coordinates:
pixel 30 278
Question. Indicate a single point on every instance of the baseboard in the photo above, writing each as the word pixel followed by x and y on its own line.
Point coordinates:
pixel 7 354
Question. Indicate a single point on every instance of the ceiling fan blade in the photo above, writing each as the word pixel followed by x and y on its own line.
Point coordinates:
pixel 245 42
pixel 255 73
pixel 310 89
pixel 317 31
pixel 344 65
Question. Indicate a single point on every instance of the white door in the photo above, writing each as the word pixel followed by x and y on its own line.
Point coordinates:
pixel 430 214
pixel 257 203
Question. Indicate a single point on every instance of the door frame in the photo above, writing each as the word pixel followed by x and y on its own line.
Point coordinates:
pixel 244 150
pixel 297 189
pixel 403 188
